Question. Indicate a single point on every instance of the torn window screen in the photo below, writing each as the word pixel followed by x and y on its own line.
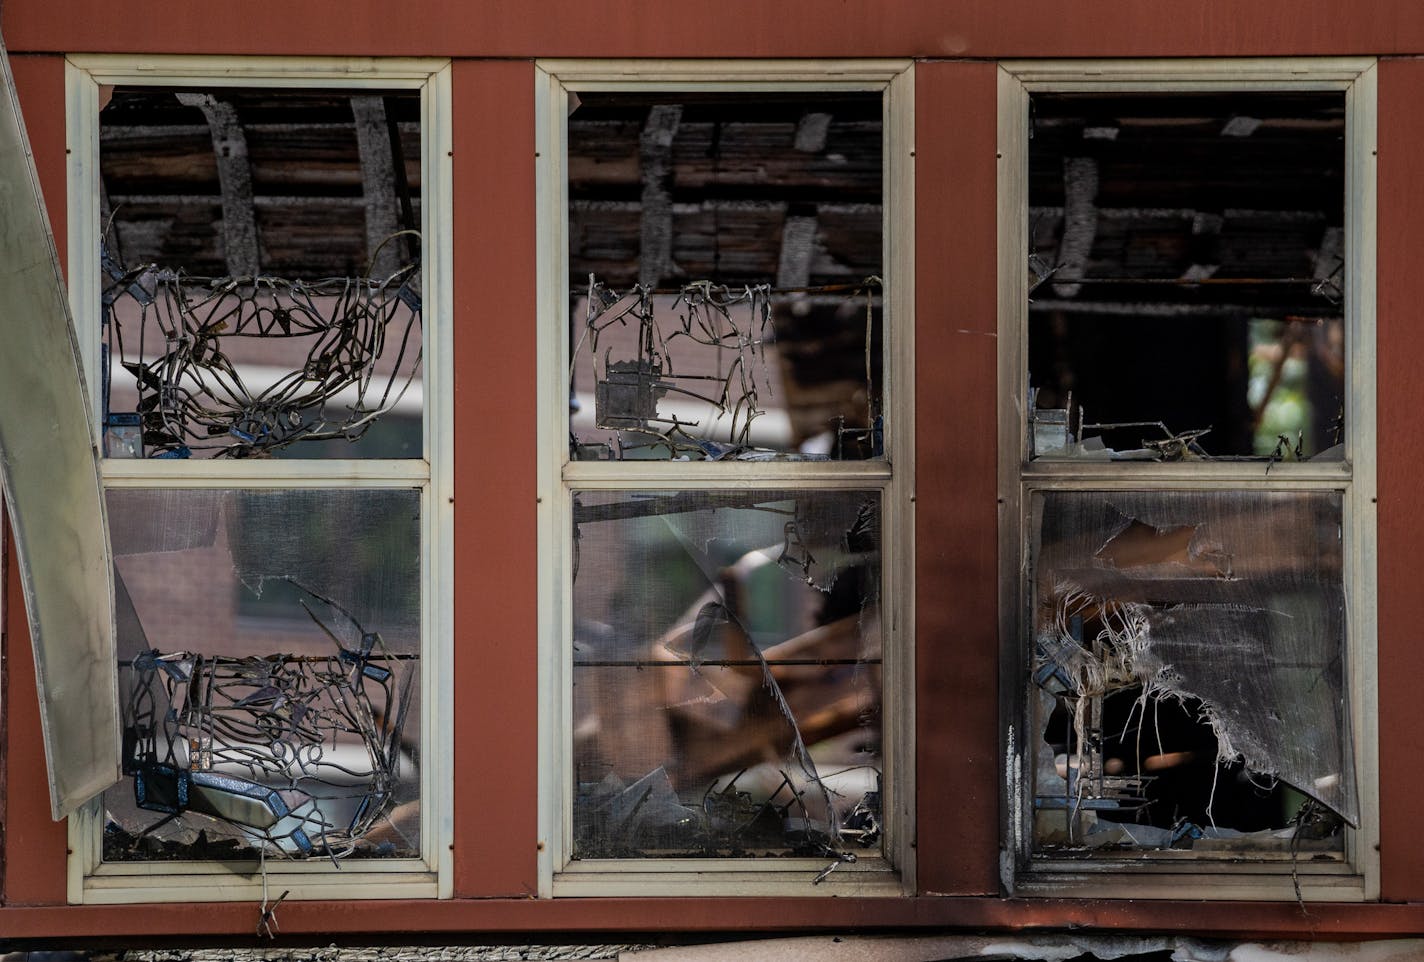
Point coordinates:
pixel 725 258
pixel 269 671
pixel 1189 673
pixel 1187 275
pixel 227 331
pixel 726 674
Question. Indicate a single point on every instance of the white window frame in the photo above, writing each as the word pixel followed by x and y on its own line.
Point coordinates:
pixel 1358 877
pixel 559 875
pixel 91 880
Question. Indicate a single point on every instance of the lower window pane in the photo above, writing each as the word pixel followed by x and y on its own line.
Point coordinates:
pixel 726 673
pixel 1188 689
pixel 269 673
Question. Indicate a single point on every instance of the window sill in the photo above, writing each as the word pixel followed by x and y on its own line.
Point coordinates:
pixel 1258 882
pixel 240 882
pixel 872 877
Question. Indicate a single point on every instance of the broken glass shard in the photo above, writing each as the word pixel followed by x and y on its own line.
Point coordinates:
pixel 726 673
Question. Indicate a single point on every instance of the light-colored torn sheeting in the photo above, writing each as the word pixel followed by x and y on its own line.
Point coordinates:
pixel 1039 948
pixel 51 486
pixel 1246 614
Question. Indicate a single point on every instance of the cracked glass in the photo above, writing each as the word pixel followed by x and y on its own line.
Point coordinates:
pixel 1189 684
pixel 269 646
pixel 726 674
pixel 726 276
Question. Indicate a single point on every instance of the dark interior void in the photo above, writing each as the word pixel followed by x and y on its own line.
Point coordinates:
pixel 1187 267
pixel 1168 740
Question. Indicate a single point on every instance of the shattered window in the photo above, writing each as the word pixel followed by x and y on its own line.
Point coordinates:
pixel 261 274
pixel 1187 645
pixel 261 297
pixel 1187 276
pixel 724 655
pixel 291 724
pixel 1189 673
pixel 726 279
pixel 726 673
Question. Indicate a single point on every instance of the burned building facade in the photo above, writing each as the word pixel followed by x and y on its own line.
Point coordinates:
pixel 640 472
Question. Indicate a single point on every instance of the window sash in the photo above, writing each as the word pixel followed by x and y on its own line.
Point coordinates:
pixel 1019 479
pixel 558 875
pixel 90 879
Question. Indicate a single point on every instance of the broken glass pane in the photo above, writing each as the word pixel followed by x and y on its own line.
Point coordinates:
pixel 269 673
pixel 725 267
pixel 727 653
pixel 260 273
pixel 1189 669
pixel 1187 276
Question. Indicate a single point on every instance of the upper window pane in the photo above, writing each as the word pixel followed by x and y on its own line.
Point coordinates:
pixel 261 273
pixel 725 270
pixel 1186 283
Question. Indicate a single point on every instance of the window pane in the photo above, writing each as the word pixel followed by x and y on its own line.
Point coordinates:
pixel 1187 274
pixel 726 680
pixel 1189 661
pixel 269 672
pixel 725 265
pixel 261 280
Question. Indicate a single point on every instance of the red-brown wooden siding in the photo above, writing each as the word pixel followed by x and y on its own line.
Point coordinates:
pixel 495 335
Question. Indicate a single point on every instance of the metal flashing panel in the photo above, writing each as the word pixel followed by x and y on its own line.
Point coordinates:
pixel 51 483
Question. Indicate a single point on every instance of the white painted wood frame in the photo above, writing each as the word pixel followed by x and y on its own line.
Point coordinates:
pixel 91 880
pixel 1357 878
pixel 559 875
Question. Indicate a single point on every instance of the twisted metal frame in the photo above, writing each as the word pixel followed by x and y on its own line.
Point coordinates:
pixel 261 744
pixel 193 396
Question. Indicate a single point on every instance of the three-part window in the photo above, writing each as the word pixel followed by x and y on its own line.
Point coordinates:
pixel 259 258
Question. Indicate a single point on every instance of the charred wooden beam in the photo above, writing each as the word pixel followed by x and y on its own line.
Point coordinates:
pixel 655 156
pixel 235 179
pixel 798 246
pixel 378 183
pixel 811 133
pixel 1080 222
